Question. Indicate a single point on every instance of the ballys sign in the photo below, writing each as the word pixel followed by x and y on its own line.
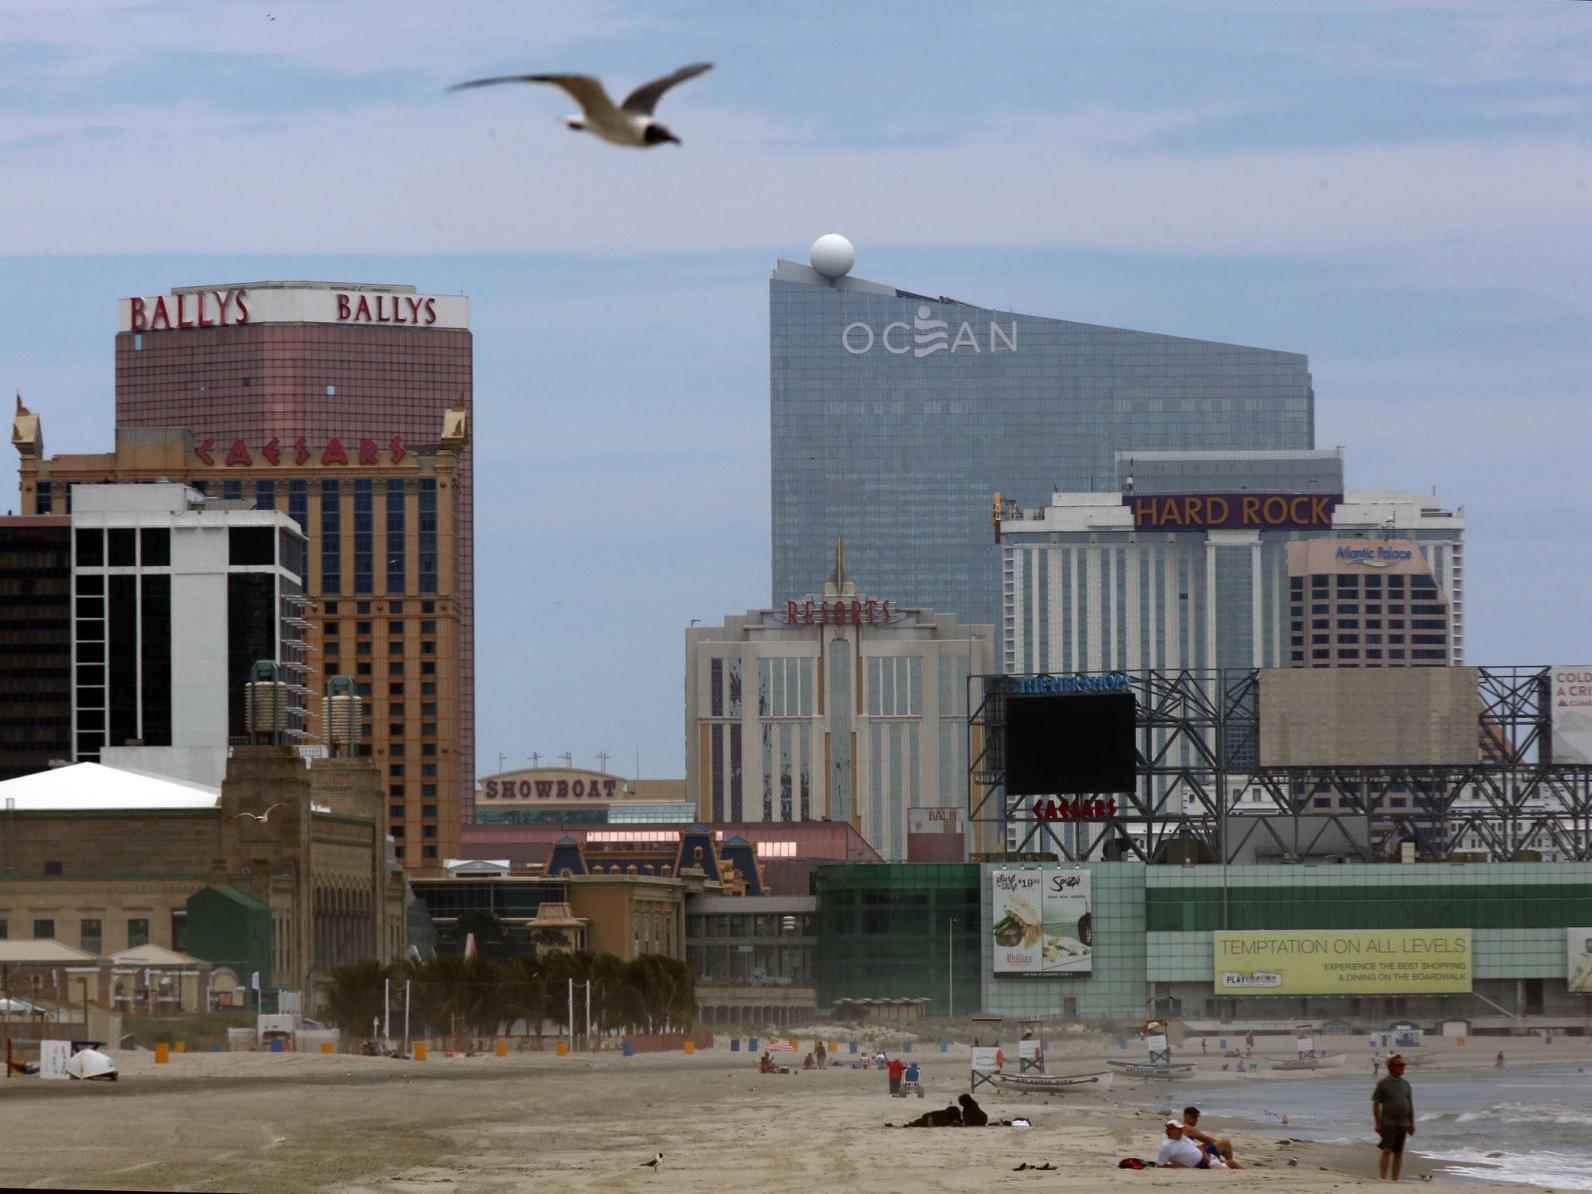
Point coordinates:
pixel 925 336
pixel 238 306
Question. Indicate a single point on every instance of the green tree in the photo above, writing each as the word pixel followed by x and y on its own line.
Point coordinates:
pixel 351 996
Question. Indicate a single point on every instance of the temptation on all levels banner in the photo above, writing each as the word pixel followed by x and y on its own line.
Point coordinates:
pixel 1342 961
pixel 1042 922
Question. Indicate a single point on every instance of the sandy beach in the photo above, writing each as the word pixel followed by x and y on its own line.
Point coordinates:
pixel 277 1122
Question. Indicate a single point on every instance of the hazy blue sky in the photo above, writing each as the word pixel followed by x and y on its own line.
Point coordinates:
pixel 1401 189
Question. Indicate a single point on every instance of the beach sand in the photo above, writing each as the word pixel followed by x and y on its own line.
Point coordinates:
pixel 279 1122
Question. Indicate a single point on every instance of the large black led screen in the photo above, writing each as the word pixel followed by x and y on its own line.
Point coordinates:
pixel 1070 744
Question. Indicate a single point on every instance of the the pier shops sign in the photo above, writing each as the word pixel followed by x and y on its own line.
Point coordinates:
pixel 1070 683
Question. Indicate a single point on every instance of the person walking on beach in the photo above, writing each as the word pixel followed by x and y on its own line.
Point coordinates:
pixel 1498 1062
pixel 896 1068
pixel 1393 1113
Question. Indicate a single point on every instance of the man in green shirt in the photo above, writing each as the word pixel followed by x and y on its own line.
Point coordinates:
pixel 1393 1111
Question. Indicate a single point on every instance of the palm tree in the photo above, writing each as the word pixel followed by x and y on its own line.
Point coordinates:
pixel 352 996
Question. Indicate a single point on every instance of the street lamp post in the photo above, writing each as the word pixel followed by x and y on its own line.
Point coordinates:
pixel 950 971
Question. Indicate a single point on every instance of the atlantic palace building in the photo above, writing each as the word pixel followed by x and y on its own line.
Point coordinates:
pixel 345 406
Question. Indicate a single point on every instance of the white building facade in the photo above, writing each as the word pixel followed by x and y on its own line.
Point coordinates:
pixel 838 707
pixel 1200 578
pixel 175 598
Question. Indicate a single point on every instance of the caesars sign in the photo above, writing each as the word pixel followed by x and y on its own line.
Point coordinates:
pixel 1042 922
pixel 1343 962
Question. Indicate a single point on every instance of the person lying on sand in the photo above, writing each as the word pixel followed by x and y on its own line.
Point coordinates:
pixel 973 1116
pixel 950 1117
pixel 1179 1152
pixel 1222 1144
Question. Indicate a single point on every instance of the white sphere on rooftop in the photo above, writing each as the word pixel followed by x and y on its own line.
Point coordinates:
pixel 832 255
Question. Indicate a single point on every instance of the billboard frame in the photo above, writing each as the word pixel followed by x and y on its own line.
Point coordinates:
pixel 1197 738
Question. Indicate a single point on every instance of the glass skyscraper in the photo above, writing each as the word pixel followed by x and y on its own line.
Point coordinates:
pixel 896 417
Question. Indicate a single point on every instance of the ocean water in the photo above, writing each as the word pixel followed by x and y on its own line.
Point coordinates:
pixel 1539 1121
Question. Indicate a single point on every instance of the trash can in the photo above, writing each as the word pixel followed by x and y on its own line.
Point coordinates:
pixel 629 1047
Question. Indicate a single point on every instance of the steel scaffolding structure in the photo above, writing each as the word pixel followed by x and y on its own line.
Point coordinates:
pixel 1202 794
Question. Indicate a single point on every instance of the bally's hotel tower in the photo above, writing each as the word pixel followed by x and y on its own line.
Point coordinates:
pixel 896 417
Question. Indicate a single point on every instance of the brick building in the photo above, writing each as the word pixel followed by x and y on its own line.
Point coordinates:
pixel 105 861
pixel 406 644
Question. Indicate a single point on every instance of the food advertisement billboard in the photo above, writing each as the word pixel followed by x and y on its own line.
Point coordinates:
pixel 1342 962
pixel 1042 922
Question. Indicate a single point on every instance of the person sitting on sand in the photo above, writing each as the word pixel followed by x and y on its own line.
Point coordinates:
pixel 973 1116
pixel 1179 1152
pixel 1222 1145
pixel 949 1117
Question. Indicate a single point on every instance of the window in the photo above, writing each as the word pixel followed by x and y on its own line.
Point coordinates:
pixel 154 546
pixel 232 491
pixel 90 548
pixel 395 790
pixel 428 748
pixel 395 628
pixel 42 499
pixel 428 770
pixel 396 771
pixel 331 607
pixel 364 535
pixel 52 866
pixel 428 688
pixel 137 932
pixel 396 607
pixel 428 729
pixel 395 669
pixel 396 811
pixel 395 535
pixel 428 810
pixel 396 710
pixel 89 936
pixel 395 690
pixel 427 542
pixel 428 851
pixel 428 667
pixel 428 628
pixel 428 708
pixel 5 930
pixel 331 538
pixel 428 607
pixel 361 627
pixel 428 791
pixel 428 831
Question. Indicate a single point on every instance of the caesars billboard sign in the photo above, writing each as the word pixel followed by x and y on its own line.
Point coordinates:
pixel 1343 962
pixel 1042 922
pixel 1571 693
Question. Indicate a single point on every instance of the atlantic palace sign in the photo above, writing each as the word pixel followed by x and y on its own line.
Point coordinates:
pixel 1232 511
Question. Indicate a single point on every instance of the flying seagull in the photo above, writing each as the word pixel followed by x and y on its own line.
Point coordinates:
pixel 630 124
pixel 262 818
pixel 655 1164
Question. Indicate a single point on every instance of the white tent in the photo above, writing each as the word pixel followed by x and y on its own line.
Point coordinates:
pixel 90 786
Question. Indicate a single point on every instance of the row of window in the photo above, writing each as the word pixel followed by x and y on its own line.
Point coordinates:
pixel 91 934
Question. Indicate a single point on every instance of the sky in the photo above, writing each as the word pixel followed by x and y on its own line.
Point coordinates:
pixel 1401 189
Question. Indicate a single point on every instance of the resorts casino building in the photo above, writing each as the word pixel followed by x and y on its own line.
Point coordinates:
pixel 895 416
pixel 346 407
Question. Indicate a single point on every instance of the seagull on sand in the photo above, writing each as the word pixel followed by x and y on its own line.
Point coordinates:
pixel 655 1164
pixel 262 818
pixel 630 124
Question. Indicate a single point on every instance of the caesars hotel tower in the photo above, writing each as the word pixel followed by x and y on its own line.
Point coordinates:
pixel 345 406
